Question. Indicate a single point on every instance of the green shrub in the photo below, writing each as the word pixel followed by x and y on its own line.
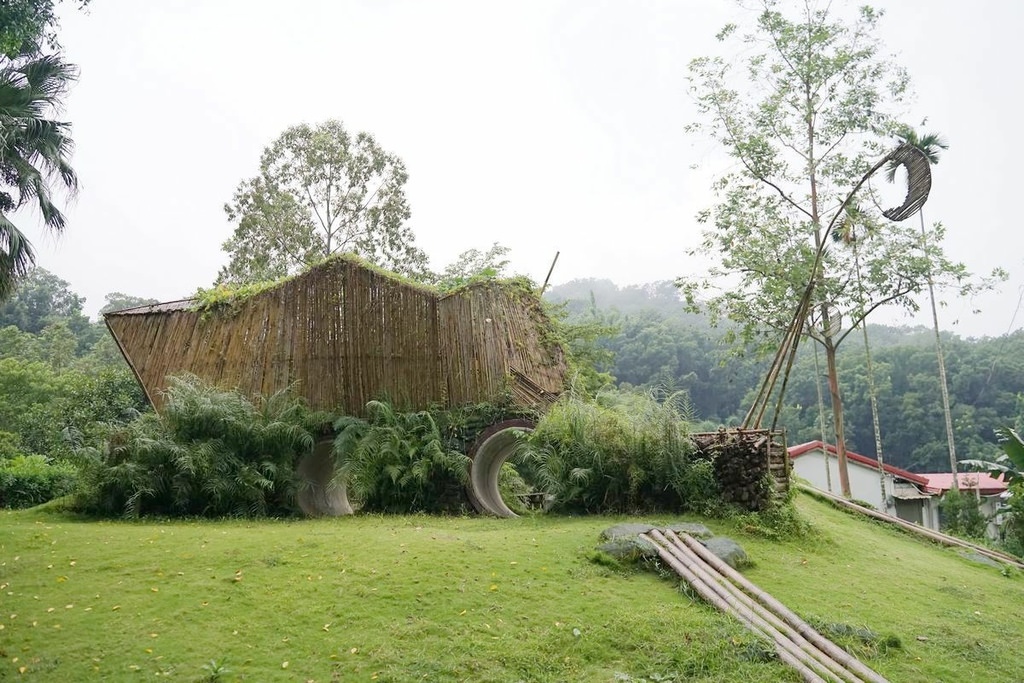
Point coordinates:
pixel 210 452
pixel 460 426
pixel 511 486
pixel 398 462
pixel 960 515
pixel 27 480
pixel 1013 520
pixel 620 453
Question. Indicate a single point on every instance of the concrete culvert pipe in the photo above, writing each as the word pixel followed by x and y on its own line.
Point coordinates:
pixel 318 496
pixel 492 448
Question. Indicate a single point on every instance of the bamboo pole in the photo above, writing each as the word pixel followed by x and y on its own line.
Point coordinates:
pixel 937 536
pixel 813 655
pixel 790 617
pixel 782 646
pixel 708 572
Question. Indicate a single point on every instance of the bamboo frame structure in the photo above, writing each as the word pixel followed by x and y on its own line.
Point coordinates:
pixel 344 333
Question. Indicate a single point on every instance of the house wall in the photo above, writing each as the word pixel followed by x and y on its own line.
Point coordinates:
pixel 864 486
pixel 863 481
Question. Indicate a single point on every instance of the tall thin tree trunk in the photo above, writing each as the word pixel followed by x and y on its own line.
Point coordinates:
pixel 821 421
pixel 872 393
pixel 828 334
pixel 944 387
pixel 874 417
pixel 837 415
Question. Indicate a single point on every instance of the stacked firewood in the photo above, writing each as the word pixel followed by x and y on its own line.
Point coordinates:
pixel 741 465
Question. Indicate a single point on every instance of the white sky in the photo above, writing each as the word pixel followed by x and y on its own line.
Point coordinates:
pixel 539 124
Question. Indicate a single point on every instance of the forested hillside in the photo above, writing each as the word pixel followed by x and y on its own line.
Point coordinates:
pixel 659 345
pixel 60 373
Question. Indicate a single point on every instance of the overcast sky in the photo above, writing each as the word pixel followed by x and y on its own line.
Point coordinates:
pixel 542 125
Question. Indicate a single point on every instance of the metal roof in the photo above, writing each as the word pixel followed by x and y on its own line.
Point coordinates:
pixel 983 482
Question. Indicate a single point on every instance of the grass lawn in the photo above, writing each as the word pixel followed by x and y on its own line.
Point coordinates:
pixel 465 599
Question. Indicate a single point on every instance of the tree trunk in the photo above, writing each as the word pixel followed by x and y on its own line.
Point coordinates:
pixel 821 421
pixel 943 386
pixel 837 411
pixel 873 396
pixel 872 393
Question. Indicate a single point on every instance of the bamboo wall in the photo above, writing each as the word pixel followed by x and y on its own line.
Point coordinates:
pixel 345 334
pixel 492 342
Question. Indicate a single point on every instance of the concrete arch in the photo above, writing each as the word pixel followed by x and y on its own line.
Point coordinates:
pixel 492 448
pixel 318 495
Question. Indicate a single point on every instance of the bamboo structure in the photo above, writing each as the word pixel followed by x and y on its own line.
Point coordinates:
pixel 344 333
pixel 816 658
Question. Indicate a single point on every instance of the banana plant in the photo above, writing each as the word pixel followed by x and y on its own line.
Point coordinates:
pixel 1010 464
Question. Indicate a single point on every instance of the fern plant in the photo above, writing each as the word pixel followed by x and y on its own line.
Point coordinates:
pixel 210 452
pixel 398 462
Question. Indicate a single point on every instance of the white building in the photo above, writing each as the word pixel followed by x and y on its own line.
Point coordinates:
pixel 907 495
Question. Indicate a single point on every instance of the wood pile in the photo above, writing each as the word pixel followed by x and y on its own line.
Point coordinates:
pixel 750 465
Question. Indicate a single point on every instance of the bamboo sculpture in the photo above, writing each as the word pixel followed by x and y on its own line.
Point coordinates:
pixel 343 334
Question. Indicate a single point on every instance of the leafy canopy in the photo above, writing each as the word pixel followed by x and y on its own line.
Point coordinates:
pixel 29 25
pixel 804 111
pixel 320 190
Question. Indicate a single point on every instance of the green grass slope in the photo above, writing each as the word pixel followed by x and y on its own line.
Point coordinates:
pixel 465 599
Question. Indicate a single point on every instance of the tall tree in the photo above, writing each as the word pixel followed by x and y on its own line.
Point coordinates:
pixel 42 298
pixel 320 190
pixel 931 145
pixel 805 112
pixel 35 149
pixel 29 25
pixel 118 301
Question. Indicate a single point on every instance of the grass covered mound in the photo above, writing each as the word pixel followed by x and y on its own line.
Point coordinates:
pixel 401 598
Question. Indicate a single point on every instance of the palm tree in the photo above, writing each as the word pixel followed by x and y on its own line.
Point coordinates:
pixel 34 153
pixel 931 144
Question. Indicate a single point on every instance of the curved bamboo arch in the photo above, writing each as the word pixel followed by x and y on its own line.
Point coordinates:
pixel 919 181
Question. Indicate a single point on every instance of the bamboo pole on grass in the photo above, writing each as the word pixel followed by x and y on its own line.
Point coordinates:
pixel 937 536
pixel 788 652
pixel 836 666
pixel 753 611
pixel 790 617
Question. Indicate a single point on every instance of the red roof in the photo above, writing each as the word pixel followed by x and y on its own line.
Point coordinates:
pixel 985 483
pixel 797 451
